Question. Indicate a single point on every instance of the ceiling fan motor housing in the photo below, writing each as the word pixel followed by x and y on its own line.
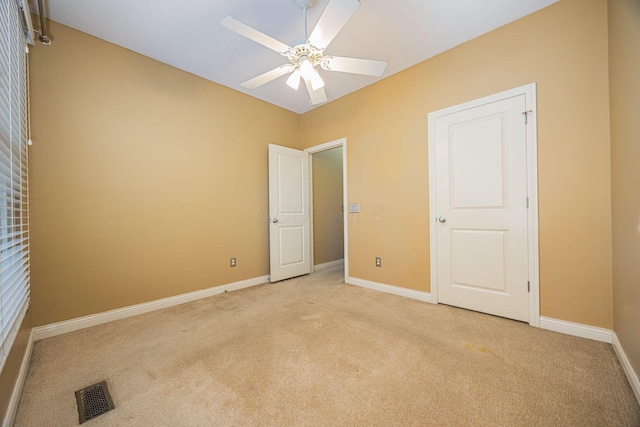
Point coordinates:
pixel 297 52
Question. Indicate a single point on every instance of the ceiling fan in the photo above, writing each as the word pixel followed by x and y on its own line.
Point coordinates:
pixel 307 53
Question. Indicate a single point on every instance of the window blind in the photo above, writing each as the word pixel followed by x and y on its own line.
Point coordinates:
pixel 14 197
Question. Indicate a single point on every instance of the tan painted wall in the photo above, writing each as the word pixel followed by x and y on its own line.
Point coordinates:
pixel 11 368
pixel 624 72
pixel 144 179
pixel 328 227
pixel 563 48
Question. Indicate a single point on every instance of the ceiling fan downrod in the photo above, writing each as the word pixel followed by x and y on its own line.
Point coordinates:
pixel 304 5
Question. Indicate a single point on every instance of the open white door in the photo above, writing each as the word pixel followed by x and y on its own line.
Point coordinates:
pixel 289 228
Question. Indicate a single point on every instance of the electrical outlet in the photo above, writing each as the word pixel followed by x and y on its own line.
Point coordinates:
pixel 232 262
pixel 378 261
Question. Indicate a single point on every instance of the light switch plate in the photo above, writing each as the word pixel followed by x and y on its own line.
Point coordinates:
pixel 354 207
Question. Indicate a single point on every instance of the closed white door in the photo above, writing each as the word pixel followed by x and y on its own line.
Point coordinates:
pixel 289 230
pixel 481 208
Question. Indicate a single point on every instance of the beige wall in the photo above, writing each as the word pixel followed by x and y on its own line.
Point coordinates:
pixel 144 179
pixel 328 227
pixel 563 48
pixel 624 73
pixel 11 368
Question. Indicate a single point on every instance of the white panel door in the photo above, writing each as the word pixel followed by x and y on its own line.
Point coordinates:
pixel 481 206
pixel 289 227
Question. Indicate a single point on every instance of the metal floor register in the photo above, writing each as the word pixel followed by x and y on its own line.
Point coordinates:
pixel 93 401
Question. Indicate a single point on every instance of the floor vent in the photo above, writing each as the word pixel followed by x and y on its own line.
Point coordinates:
pixel 93 401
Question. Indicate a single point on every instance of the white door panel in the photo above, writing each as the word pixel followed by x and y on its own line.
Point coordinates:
pixel 289 227
pixel 293 251
pixel 481 195
pixel 290 183
pixel 478 259
pixel 477 164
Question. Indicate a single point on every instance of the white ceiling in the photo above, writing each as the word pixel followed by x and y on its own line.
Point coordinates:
pixel 187 34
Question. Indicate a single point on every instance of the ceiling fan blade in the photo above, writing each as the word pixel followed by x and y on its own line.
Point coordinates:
pixel 369 67
pixel 334 17
pixel 268 76
pixel 253 34
pixel 317 96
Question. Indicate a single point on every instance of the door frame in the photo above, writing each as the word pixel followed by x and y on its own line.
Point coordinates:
pixel 529 91
pixel 341 142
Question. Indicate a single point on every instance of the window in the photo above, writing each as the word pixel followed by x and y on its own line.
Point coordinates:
pixel 14 206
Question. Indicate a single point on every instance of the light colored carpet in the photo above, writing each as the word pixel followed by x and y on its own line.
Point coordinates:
pixel 314 351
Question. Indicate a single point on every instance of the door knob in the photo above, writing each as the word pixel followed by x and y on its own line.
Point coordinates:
pixel 274 220
pixel 442 219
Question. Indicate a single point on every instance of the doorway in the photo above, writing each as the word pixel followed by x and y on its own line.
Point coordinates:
pixel 329 228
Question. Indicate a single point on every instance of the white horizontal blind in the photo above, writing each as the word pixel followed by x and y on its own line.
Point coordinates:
pixel 14 207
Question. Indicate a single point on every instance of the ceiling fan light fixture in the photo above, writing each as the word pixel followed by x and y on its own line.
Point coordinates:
pixel 294 79
pixel 306 68
pixel 316 81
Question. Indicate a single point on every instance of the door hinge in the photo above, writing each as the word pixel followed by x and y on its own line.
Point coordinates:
pixel 527 203
pixel 528 286
pixel 526 116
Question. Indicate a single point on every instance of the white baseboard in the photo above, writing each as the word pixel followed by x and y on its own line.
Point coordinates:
pixel 53 329
pixel 390 289
pixel 632 376
pixel 17 388
pixel 330 264
pixel 576 329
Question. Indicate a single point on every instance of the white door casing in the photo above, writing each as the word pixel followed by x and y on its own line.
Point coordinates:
pixel 483 205
pixel 289 228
